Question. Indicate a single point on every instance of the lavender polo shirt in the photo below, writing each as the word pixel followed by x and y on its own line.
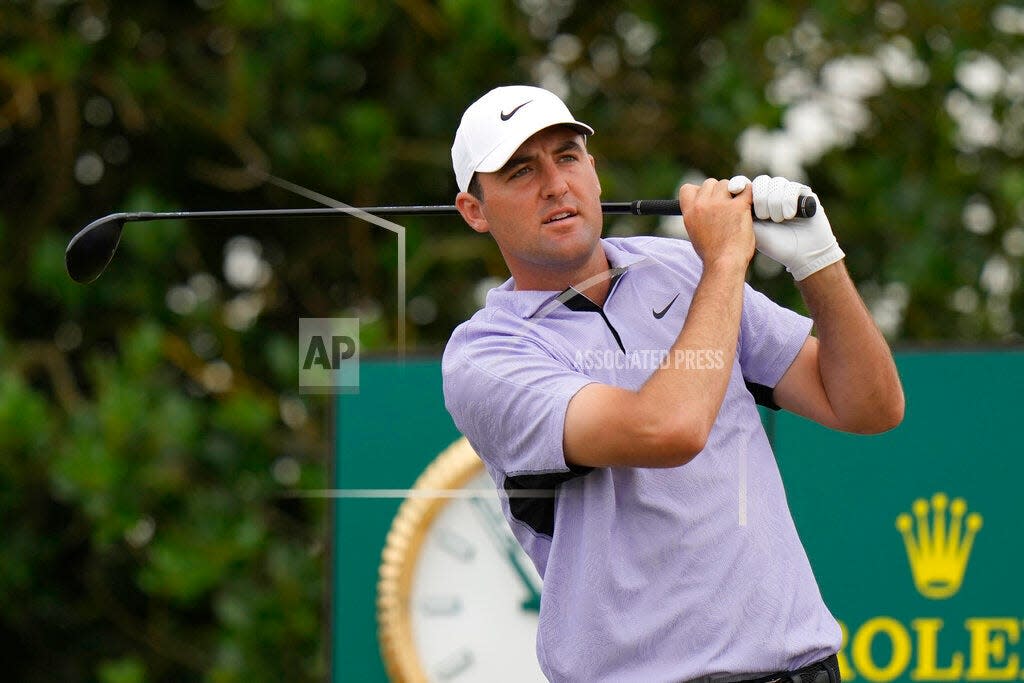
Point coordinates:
pixel 649 574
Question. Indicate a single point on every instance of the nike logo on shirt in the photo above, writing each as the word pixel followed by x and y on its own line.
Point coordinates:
pixel 506 117
pixel 659 316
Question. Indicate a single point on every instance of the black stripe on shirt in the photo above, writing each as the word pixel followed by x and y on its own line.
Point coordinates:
pixel 538 512
pixel 763 396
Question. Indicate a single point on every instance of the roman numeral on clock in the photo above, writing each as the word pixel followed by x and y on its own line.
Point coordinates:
pixel 454 665
pixel 455 545
pixel 441 605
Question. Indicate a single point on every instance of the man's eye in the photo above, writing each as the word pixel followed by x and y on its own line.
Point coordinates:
pixel 569 157
pixel 519 173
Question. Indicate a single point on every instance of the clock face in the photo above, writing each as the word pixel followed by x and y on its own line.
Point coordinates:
pixel 458 599
pixel 475 595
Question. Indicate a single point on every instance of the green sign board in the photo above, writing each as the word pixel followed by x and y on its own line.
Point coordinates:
pixel 915 535
pixel 384 438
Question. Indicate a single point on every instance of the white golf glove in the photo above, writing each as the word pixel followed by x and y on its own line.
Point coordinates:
pixel 803 245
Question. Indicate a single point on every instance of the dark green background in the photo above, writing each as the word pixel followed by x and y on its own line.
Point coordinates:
pixel 959 437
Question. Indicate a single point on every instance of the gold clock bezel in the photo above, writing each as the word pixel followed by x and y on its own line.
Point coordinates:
pixel 452 469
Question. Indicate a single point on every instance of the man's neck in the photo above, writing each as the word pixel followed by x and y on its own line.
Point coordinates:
pixel 592 279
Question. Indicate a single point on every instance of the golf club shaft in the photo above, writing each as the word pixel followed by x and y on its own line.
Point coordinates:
pixel 90 251
pixel 639 207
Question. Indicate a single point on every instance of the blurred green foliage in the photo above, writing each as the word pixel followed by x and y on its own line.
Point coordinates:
pixel 150 423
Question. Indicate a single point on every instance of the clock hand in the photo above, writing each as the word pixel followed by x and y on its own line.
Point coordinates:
pixel 532 601
pixel 510 548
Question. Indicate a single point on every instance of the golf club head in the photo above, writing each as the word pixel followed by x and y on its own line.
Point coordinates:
pixel 90 251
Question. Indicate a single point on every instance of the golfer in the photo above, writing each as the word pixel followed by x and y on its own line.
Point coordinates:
pixel 611 388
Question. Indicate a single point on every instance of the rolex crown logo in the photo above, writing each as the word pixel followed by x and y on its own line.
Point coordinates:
pixel 938 550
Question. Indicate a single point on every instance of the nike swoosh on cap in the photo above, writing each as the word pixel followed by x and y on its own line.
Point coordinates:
pixel 659 316
pixel 506 117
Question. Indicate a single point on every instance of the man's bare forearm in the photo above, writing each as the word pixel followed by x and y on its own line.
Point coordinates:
pixel 667 421
pixel 691 384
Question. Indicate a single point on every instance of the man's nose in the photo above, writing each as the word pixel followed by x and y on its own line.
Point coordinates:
pixel 553 183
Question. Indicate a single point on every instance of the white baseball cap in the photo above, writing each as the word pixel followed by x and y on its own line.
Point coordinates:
pixel 494 126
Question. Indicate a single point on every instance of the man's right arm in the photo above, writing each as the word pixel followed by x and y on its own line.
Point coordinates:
pixel 668 420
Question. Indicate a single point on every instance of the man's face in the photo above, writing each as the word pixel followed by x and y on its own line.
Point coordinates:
pixel 543 208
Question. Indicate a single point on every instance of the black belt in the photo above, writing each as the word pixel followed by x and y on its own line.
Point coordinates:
pixel 825 671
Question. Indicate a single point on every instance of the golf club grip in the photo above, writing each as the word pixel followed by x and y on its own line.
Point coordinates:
pixel 805 208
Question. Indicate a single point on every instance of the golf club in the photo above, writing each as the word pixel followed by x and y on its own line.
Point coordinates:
pixel 91 250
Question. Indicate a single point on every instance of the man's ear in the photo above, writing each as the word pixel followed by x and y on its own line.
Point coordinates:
pixel 593 165
pixel 472 211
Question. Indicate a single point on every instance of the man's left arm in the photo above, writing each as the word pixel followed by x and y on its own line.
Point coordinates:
pixel 844 377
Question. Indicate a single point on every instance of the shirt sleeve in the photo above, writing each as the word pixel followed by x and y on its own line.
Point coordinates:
pixel 770 338
pixel 509 396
